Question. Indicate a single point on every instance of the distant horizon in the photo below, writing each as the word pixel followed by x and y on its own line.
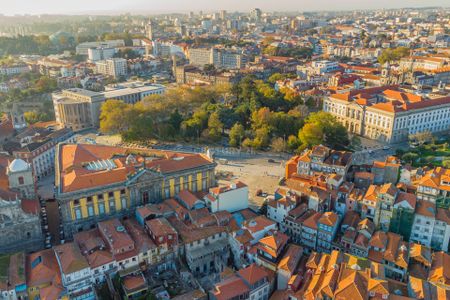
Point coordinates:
pixel 142 7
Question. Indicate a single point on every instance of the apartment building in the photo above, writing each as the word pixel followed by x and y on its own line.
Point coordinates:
pixel 206 249
pixel 75 271
pixel 40 150
pixel 114 67
pixel 231 198
pixel 327 227
pixel 320 159
pixel 9 70
pixel 389 114
pixel 219 57
pixel 431 226
pixel 100 53
pixel 252 282
pixel 433 186
pixel 83 48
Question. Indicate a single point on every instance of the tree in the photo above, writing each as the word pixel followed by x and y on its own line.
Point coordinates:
pixel 262 138
pixel 175 119
pixel 421 137
pixel 114 116
pixel 237 133
pixel 215 127
pixel 278 145
pixel 293 143
pixel 390 55
pixel 323 128
pixel 45 85
pixel 410 157
pixel 355 142
pixel 31 117
pixel 209 69
pixel 311 134
pixel 446 163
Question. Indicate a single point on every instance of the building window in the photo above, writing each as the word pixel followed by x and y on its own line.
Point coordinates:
pixel 21 181
pixel 90 211
pixel 78 215
pixel 101 208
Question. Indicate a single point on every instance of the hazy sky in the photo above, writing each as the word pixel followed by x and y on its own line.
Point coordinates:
pixel 10 7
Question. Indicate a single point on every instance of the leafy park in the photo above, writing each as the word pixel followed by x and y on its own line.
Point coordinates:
pixel 249 114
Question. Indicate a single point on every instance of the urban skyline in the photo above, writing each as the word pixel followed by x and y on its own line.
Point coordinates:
pixel 178 6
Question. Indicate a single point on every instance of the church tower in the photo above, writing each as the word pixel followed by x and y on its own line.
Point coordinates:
pixel 21 179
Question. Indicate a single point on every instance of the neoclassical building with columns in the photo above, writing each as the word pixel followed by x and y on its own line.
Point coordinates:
pixel 95 182
pixel 388 113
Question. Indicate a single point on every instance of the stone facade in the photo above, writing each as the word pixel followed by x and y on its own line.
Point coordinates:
pixel 83 208
pixel 18 230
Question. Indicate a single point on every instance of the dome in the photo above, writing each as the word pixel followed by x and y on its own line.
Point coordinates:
pixel 18 165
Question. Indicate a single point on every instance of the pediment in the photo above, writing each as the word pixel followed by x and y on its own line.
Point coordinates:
pixel 143 176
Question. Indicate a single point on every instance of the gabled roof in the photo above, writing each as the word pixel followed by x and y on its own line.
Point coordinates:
pixel 252 274
pixel 291 258
pixel 70 258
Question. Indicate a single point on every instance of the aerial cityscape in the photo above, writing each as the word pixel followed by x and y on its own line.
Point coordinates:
pixel 225 150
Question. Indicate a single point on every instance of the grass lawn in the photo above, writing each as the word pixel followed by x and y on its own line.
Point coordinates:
pixel 427 154
pixel 4 267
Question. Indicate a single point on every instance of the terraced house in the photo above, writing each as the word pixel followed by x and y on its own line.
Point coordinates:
pixel 94 183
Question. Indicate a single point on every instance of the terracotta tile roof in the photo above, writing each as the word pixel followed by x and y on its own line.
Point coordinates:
pixel 366 224
pixel 291 258
pixel 440 272
pixel 351 219
pixel 196 234
pixel 328 218
pixel 160 227
pixel 227 188
pixel 273 243
pixel 76 176
pixel 252 274
pixel 70 258
pixel 443 215
pixel 41 268
pixel 419 288
pixel 379 240
pixel 133 283
pixel 426 208
pixel 352 285
pixel 51 292
pixel 115 235
pixel 410 198
pixel 372 193
pixel 141 239
pixel 230 288
pixel 243 236
pixel 388 188
pixel 188 198
pixel 420 253
pixel 257 224
pixel 312 221
pixel 157 210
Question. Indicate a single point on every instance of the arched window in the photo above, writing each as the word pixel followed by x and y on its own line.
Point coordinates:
pixel 21 181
